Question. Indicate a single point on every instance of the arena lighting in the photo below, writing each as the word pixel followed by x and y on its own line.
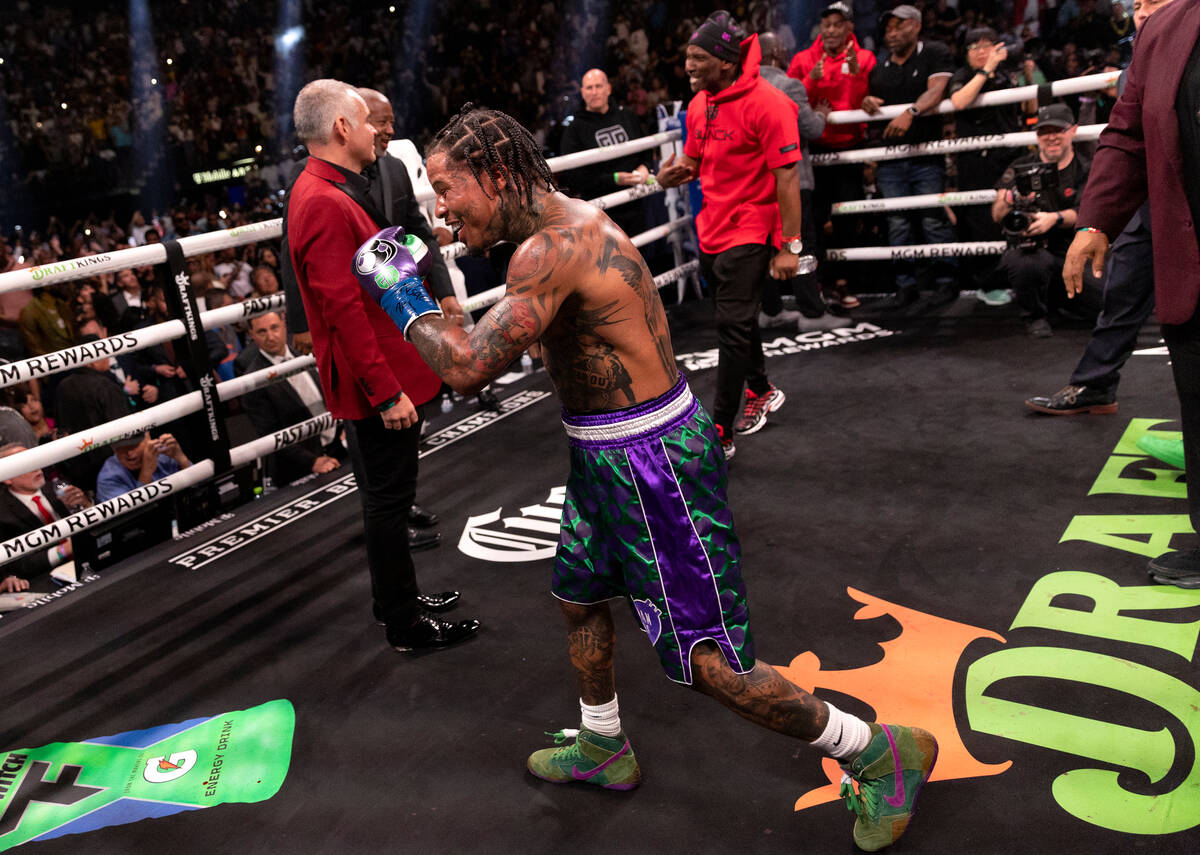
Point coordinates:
pixel 63 105
pixel 258 149
pixel 291 37
pixel 148 125
pixel 289 68
pixel 409 101
pixel 575 58
pixel 170 61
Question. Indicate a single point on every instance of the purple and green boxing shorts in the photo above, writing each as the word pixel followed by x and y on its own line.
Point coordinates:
pixel 646 518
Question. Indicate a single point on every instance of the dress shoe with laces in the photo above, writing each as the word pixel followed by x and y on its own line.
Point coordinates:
pixel 438 603
pixel 421 518
pixel 1070 400
pixel 429 632
pixel 441 602
pixel 422 538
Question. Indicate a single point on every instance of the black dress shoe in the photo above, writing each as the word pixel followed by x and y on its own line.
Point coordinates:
pixel 442 602
pixel 422 518
pixel 429 633
pixel 1070 400
pixel 422 538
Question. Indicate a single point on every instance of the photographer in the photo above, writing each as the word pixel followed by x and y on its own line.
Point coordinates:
pixel 1036 210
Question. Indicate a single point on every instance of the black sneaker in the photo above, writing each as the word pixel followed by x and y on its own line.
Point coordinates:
pixel 1181 569
pixel 1070 400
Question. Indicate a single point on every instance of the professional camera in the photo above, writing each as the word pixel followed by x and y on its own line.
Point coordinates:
pixel 1031 185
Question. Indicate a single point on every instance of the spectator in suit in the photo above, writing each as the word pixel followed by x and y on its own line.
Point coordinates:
pixel 28 503
pixel 128 297
pixel 283 404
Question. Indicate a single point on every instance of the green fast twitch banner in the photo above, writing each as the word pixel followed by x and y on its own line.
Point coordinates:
pixel 76 787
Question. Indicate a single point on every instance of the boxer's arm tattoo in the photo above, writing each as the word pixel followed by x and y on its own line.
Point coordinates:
pixel 468 361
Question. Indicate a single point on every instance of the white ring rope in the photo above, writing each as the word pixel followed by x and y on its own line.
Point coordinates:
pixel 138 256
pixel 911 203
pixel 1071 86
pixel 915 251
pixel 1021 139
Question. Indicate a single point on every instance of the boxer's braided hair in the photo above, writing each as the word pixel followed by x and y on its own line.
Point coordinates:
pixel 489 141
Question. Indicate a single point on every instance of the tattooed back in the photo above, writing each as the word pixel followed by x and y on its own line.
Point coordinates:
pixel 604 335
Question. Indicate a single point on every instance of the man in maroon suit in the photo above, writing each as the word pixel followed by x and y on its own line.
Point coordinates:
pixel 370 376
pixel 1151 150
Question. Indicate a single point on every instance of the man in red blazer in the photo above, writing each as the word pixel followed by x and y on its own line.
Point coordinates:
pixel 1151 150
pixel 370 376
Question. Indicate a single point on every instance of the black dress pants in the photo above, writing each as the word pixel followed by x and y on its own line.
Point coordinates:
pixel 1127 303
pixel 385 468
pixel 735 277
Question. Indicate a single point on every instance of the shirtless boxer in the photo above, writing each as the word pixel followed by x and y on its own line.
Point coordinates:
pixel 645 515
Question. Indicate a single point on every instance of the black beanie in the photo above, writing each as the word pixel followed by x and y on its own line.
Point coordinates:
pixel 720 36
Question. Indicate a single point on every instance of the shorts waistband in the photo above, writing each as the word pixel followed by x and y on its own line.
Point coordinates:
pixel 636 422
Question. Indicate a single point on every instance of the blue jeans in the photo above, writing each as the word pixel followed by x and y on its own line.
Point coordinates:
pixel 915 177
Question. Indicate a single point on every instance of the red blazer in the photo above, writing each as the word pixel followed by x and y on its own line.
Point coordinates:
pixel 362 358
pixel 1139 156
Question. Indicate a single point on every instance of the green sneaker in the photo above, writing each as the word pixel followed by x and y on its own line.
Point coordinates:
pixel 884 799
pixel 606 761
pixel 1169 451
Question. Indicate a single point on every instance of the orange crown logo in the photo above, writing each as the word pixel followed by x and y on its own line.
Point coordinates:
pixel 913 684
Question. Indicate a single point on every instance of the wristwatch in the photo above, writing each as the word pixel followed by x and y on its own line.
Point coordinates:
pixel 915 110
pixel 793 245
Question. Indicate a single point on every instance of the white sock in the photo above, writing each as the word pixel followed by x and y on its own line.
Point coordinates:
pixel 603 719
pixel 844 735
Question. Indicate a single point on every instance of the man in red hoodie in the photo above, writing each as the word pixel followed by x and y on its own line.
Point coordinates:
pixel 743 144
pixel 834 72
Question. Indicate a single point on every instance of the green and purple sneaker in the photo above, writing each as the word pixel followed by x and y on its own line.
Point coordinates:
pixel 890 772
pixel 606 761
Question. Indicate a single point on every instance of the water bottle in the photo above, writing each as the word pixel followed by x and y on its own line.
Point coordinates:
pixel 60 487
pixel 807 264
pixel 447 404
pixel 526 363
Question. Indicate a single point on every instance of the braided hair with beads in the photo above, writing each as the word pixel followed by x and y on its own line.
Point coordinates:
pixel 489 141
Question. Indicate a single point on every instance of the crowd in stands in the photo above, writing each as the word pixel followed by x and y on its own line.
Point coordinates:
pixel 71 114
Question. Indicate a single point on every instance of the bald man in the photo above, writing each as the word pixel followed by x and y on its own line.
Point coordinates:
pixel 601 124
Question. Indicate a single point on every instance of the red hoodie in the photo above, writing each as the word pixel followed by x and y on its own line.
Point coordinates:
pixel 841 89
pixel 738 136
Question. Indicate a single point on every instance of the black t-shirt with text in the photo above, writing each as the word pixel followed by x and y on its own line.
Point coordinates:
pixel 898 83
